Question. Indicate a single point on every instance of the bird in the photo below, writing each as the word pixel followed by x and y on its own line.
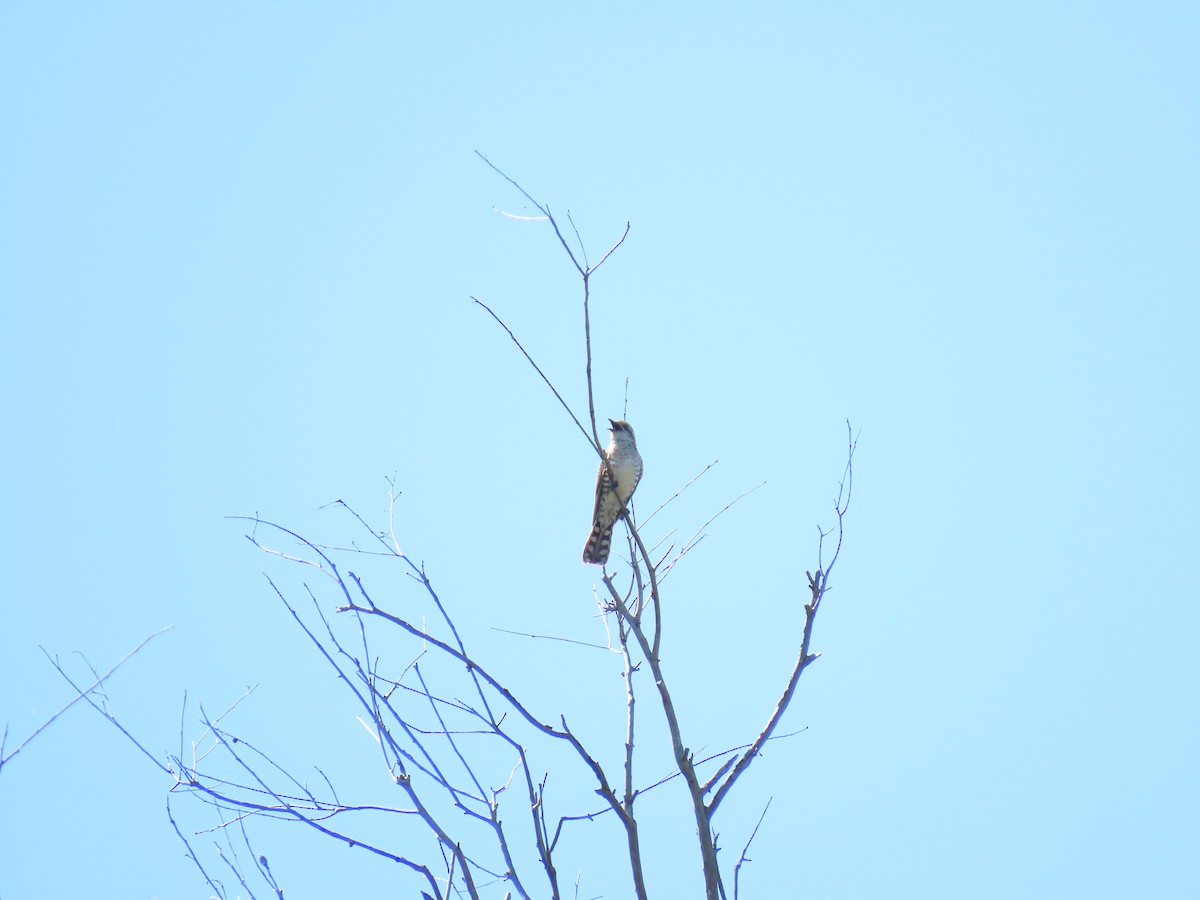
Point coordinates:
pixel 615 484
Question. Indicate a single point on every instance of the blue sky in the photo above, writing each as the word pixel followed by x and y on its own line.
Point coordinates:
pixel 237 250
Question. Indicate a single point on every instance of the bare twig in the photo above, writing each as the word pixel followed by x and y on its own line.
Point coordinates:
pixel 220 891
pixel 284 806
pixel 699 533
pixel 683 756
pixel 675 496
pixel 538 368
pixel 80 694
pixel 545 211
pixel 542 209
pixel 551 637
pixel 86 695
pixel 737 870
pixel 817 585
pixel 632 839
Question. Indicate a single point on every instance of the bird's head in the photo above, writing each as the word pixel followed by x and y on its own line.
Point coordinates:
pixel 620 426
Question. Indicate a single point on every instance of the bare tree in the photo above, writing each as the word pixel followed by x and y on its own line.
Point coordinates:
pixel 445 723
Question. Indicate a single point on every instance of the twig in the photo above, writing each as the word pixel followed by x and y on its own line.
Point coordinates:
pixel 535 365
pixel 86 695
pixel 551 637
pixel 698 534
pixel 632 839
pixel 675 496
pixel 80 694
pixel 220 891
pixel 737 870
pixel 817 585
pixel 683 756
pixel 542 209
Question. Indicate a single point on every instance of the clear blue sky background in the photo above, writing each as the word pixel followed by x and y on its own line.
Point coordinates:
pixel 237 246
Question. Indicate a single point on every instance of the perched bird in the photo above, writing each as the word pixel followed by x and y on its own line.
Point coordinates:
pixel 615 484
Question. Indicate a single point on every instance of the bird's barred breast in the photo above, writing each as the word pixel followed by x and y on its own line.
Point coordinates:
pixel 626 472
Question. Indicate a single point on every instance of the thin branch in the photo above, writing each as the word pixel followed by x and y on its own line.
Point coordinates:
pixel 564 734
pixel 699 533
pixel 817 585
pixel 542 209
pixel 551 637
pixel 86 695
pixel 80 694
pixel 545 211
pixel 535 365
pixel 234 866
pixel 683 756
pixel 612 249
pixel 220 891
pixel 509 215
pixel 675 496
pixel 264 868
pixel 582 248
pixel 631 828
pixel 671 776
pixel 284 806
pixel 737 870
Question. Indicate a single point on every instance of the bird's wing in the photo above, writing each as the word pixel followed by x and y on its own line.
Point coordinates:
pixel 604 484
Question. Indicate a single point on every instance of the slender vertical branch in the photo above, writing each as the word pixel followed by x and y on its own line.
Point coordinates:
pixel 631 829
pixel 817 586
pixel 683 756
pixel 744 858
